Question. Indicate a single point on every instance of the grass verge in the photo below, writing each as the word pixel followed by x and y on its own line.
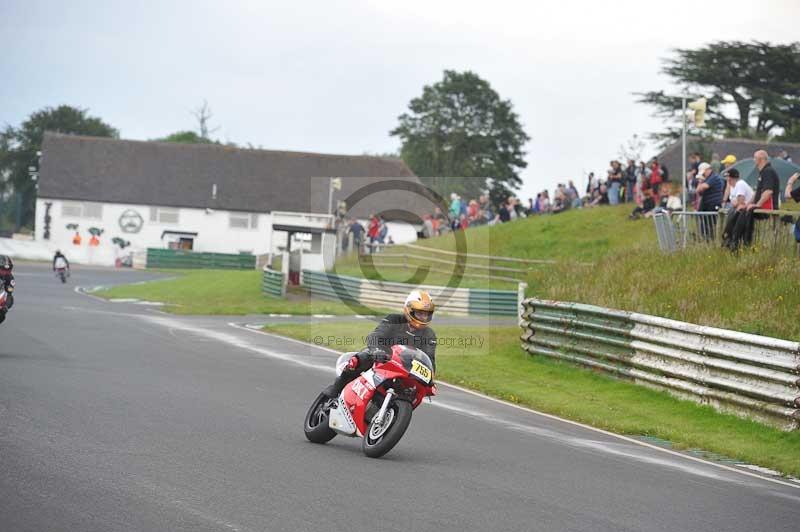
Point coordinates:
pixel 498 367
pixel 224 292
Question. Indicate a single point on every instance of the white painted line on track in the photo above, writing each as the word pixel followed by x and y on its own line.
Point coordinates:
pixel 789 483
pixel 81 290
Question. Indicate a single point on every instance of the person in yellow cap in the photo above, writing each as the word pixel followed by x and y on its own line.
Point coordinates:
pixel 728 161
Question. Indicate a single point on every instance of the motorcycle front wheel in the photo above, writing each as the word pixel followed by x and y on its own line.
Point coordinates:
pixel 316 423
pixel 383 435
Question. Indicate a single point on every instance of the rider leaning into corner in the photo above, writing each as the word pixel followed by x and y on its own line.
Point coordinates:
pixel 7 280
pixel 410 328
pixel 60 261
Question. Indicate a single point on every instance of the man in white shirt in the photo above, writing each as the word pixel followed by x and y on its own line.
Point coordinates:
pixel 740 192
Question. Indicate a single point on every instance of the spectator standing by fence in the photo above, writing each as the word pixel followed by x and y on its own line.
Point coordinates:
pixel 789 193
pixel 709 191
pixel 739 193
pixel 357 230
pixel 768 187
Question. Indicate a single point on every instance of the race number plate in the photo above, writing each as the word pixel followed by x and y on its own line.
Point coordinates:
pixel 420 370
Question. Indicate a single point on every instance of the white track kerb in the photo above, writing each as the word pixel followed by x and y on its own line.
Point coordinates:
pixel 787 483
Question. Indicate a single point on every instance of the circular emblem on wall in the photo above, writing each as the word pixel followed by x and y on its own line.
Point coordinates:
pixel 131 221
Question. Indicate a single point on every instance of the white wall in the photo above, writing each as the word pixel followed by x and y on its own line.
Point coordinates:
pixel 213 232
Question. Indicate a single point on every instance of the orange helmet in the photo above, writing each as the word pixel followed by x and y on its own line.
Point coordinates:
pixel 419 308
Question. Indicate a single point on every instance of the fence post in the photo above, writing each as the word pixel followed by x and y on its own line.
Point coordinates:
pixel 520 298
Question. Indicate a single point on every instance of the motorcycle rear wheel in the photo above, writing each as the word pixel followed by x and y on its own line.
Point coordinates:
pixel 380 440
pixel 315 425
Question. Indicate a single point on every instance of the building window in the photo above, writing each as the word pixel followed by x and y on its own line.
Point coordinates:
pixel 81 210
pixel 161 215
pixel 238 220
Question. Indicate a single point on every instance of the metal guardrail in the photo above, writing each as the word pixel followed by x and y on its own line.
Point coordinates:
pixel 474 265
pixel 391 295
pixel 273 283
pixel 180 258
pixel 751 376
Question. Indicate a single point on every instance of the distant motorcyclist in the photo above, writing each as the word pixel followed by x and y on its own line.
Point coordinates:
pixel 410 328
pixel 8 283
pixel 60 261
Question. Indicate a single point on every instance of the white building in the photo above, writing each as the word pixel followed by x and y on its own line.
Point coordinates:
pixel 205 197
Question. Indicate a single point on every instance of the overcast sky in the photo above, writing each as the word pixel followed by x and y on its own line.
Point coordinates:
pixel 333 76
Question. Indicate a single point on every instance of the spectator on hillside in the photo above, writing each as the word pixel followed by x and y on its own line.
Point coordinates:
pixel 357 230
pixel 514 208
pixel 502 214
pixel 656 178
pixel 455 206
pixel 439 222
pixel 641 175
pixel 630 180
pixel 709 191
pixel 546 206
pixel 616 179
pixel 783 154
pixel 739 221
pixel 768 189
pixel 738 192
pixel 383 230
pixel 602 197
pixel 573 195
pixel 486 208
pixel 663 169
pixel 427 226
pixel 373 230
pixel 716 165
pixel 473 212
pixel 728 161
pixel 592 184
pixel 559 199
pixel 789 193
pixel 691 177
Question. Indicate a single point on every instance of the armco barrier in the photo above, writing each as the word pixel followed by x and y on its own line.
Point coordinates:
pixel 273 283
pixel 180 258
pixel 745 374
pixel 388 295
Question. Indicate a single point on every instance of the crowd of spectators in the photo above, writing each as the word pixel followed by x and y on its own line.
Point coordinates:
pixel 647 186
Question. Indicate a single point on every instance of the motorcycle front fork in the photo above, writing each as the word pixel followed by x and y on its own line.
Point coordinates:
pixel 390 393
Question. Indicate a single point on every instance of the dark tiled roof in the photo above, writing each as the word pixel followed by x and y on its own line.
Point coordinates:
pixel 183 175
pixel 741 148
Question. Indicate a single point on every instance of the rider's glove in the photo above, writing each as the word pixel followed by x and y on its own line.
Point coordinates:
pixel 353 362
pixel 381 356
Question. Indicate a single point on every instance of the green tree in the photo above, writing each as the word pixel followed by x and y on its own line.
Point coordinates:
pixel 186 137
pixel 753 89
pixel 460 127
pixel 19 148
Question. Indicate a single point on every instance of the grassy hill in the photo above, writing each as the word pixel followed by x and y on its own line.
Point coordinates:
pixel 757 291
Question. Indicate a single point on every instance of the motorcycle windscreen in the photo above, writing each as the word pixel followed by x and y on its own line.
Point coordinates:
pixel 417 363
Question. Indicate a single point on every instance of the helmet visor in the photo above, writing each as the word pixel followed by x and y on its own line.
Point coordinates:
pixel 423 316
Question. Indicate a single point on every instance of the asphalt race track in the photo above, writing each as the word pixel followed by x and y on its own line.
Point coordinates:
pixel 114 416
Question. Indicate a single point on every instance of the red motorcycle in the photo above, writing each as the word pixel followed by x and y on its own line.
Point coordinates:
pixel 377 405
